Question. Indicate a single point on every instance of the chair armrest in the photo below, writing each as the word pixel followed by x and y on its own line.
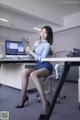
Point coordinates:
pixel 57 72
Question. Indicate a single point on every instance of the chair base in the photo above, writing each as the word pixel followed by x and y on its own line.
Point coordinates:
pixel 59 100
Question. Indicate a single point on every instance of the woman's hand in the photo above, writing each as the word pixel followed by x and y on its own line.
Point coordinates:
pixel 28 49
pixel 25 41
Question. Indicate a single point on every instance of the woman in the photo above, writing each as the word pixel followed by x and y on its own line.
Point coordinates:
pixel 40 50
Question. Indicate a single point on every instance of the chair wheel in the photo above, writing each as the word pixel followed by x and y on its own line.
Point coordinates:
pixel 37 95
pixel 38 100
pixel 58 101
pixel 64 96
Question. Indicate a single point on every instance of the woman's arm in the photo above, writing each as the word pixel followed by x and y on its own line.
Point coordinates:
pixel 43 54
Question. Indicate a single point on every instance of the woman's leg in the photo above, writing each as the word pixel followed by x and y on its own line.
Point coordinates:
pixel 25 80
pixel 35 78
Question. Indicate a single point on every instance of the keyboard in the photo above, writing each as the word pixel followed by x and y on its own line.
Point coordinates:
pixel 18 57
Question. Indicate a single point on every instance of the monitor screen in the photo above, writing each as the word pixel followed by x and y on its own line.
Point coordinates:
pixel 14 48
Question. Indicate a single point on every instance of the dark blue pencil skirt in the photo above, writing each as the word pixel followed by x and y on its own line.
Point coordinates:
pixel 46 65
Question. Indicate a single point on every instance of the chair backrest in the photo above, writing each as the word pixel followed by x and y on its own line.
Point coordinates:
pixel 57 72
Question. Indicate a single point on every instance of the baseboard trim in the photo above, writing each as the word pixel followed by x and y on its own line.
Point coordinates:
pixel 33 90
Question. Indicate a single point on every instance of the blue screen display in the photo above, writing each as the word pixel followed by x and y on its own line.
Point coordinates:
pixel 14 48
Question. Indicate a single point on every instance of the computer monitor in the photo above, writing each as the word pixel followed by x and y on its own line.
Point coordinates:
pixel 14 48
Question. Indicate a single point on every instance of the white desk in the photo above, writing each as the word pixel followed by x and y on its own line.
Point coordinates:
pixel 68 62
pixel 65 59
pixel 11 72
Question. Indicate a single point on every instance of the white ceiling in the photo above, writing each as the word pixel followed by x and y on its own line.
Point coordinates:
pixel 63 7
pixel 26 14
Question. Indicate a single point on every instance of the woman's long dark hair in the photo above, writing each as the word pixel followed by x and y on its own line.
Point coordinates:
pixel 49 34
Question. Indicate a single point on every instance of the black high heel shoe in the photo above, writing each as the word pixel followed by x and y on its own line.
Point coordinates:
pixel 43 116
pixel 22 105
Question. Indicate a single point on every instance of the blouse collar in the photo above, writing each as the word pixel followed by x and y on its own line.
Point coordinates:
pixel 43 41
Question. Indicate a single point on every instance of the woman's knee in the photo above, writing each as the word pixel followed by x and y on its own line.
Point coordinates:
pixel 26 73
pixel 33 74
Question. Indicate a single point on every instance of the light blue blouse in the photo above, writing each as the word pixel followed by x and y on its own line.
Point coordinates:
pixel 41 49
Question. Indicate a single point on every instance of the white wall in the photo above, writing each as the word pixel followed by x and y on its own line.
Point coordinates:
pixel 70 22
pixel 67 39
pixel 12 34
